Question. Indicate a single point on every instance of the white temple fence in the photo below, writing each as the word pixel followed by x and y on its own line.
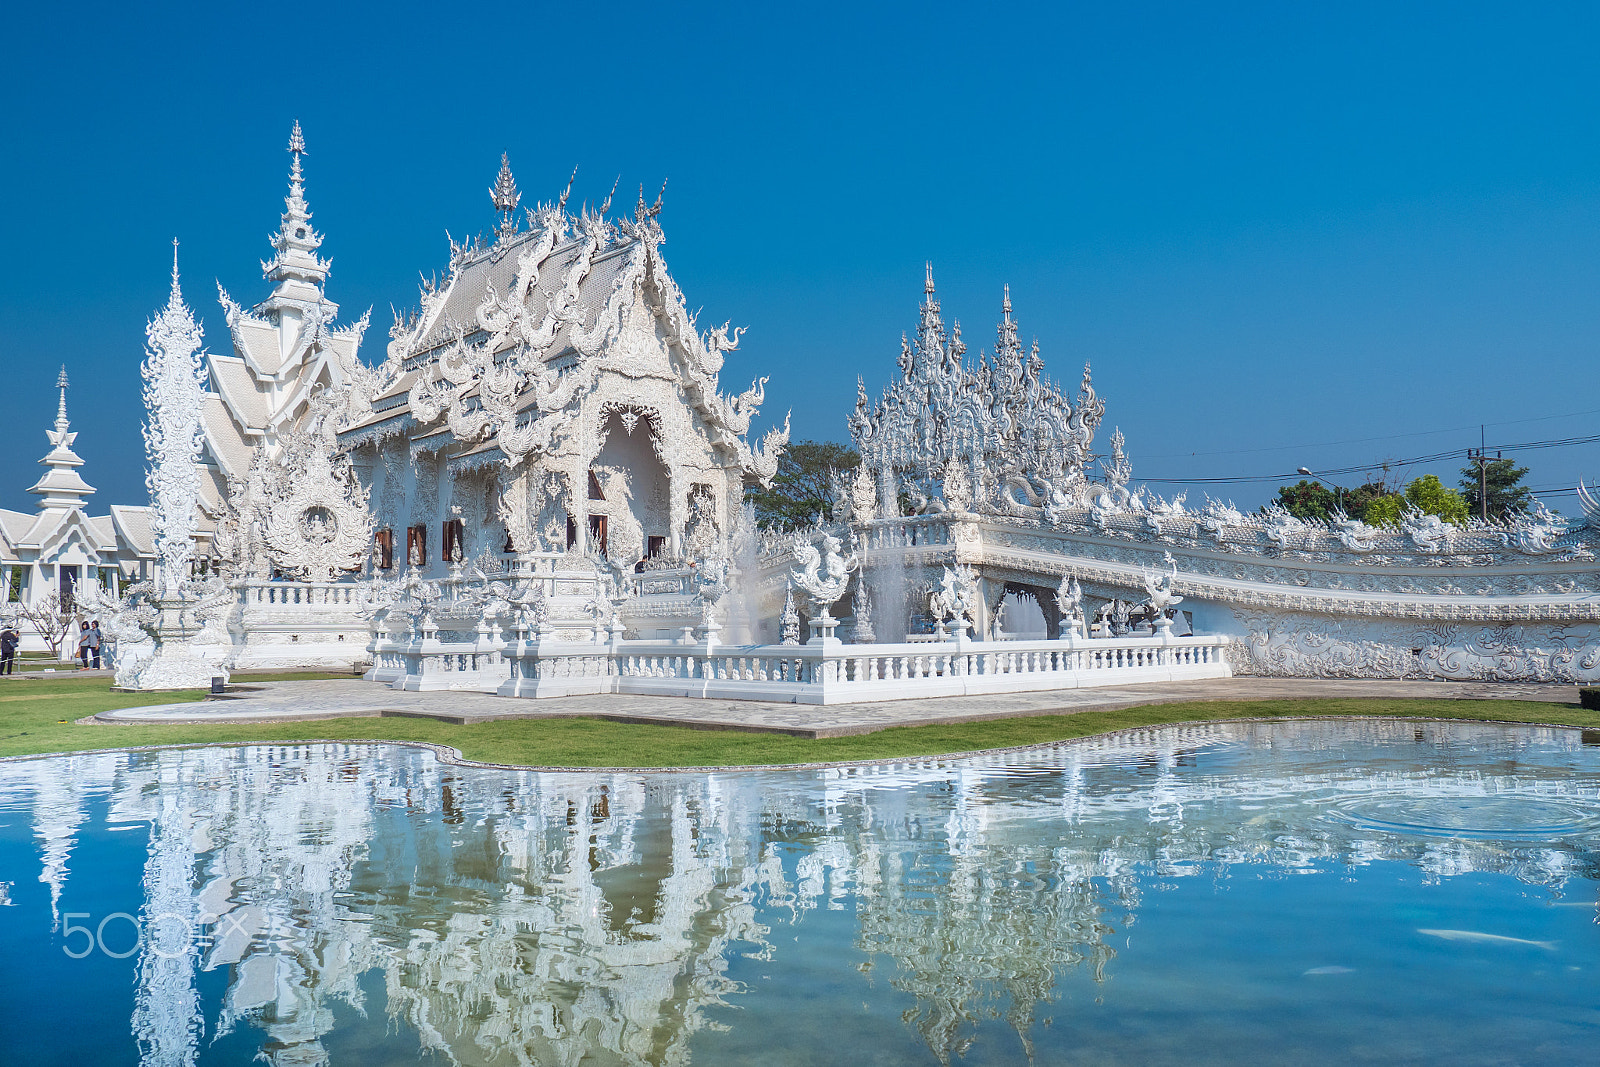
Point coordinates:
pixel 801 674
pixel 299 624
pixel 312 598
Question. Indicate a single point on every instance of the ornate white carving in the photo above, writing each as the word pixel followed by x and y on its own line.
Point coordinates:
pixel 1158 590
pixel 178 613
pixel 174 392
pixel 955 599
pixel 1069 604
pixel 303 514
pixel 1535 533
pixel 790 619
pixel 863 634
pixel 1002 420
pixel 1295 645
pixel 824 575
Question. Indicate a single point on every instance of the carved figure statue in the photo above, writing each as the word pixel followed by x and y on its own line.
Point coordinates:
pixel 823 576
pixel 955 598
pixel 1428 532
pixel 1534 533
pixel 701 533
pixel 1160 597
pixel 1069 604
pixel 1354 534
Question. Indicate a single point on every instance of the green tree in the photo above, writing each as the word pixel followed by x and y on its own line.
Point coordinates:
pixel 1356 501
pixel 1505 493
pixel 1307 500
pixel 800 489
pixel 1427 494
pixel 1316 502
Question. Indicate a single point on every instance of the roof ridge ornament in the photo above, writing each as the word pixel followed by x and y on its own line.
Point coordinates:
pixel 506 197
pixel 642 212
pixel 561 205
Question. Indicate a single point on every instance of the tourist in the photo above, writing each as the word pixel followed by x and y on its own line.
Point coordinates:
pixel 83 646
pixel 9 639
pixel 94 641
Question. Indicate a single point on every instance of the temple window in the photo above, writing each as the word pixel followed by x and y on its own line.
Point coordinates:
pixel 417 545
pixel 453 546
pixel 655 547
pixel 597 533
pixel 572 532
pixel 384 540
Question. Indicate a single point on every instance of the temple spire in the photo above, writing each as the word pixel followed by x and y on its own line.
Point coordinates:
pixel 61 486
pixel 932 351
pixel 296 268
pixel 1006 346
pixel 506 197
pixel 62 424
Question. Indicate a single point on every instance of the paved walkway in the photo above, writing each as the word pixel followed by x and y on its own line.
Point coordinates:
pixel 294 701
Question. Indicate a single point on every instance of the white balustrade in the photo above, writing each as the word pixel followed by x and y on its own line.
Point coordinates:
pixel 303 597
pixel 807 674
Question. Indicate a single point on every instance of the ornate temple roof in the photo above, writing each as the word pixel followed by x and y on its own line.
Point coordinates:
pixel 505 349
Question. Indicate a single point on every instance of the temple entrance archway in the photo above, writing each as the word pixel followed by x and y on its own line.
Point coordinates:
pixel 629 497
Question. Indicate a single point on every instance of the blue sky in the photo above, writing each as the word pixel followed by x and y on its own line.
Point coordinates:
pixel 1285 234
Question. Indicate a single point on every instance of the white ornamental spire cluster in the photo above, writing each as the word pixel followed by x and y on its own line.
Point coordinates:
pixel 174 386
pixel 998 436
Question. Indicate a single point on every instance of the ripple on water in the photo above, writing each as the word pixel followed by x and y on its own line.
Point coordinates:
pixel 1503 818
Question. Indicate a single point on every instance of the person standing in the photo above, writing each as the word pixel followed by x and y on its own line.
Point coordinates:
pixel 9 639
pixel 94 641
pixel 83 646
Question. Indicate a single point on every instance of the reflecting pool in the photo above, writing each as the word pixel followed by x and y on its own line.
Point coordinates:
pixel 1308 892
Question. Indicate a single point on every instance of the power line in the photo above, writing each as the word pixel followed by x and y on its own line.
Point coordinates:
pixel 1435 457
pixel 1369 440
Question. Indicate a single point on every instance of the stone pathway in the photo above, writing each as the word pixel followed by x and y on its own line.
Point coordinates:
pixel 297 701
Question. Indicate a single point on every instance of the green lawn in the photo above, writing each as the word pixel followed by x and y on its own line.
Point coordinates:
pixel 36 716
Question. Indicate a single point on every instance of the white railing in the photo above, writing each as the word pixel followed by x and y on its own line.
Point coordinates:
pixel 807 674
pixel 299 596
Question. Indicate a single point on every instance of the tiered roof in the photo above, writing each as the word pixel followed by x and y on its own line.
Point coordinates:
pixel 283 348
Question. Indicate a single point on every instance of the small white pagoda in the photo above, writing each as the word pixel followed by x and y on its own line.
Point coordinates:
pixel 52 551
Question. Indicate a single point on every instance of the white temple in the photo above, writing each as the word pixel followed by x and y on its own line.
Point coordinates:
pixel 539 492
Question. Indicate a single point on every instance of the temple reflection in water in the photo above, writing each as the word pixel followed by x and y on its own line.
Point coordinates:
pixel 520 917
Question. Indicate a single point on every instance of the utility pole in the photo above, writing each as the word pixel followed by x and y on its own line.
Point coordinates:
pixel 1480 456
